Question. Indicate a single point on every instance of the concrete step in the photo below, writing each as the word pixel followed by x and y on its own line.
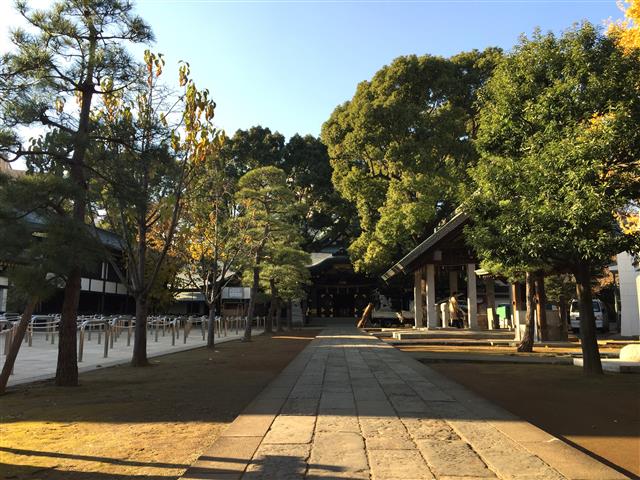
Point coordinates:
pixel 613 365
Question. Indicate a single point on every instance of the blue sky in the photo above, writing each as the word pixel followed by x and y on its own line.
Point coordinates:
pixel 287 64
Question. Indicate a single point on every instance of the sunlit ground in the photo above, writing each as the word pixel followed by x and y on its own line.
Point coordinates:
pixel 129 423
pixel 599 415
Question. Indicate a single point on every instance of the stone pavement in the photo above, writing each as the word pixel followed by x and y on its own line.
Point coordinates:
pixel 350 406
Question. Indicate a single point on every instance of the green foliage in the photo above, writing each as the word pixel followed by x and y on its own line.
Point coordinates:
pixel 325 217
pixel 253 148
pixel 71 52
pixel 559 138
pixel 269 210
pixel 559 285
pixel 286 266
pixel 37 242
pixel 268 204
pixel 400 149
pixel 211 240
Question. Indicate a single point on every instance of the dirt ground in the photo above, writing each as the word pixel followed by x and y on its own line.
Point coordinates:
pixel 507 350
pixel 127 423
pixel 601 416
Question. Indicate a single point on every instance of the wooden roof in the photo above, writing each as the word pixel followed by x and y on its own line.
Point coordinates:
pixel 447 246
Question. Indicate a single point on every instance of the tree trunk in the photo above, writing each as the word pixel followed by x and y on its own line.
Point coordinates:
pixel 211 343
pixel 10 361
pixel 268 326
pixel 589 342
pixel 139 358
pixel 491 303
pixel 67 367
pixel 289 315
pixel 279 323
pixel 541 306
pixel 564 316
pixel 366 316
pixel 252 303
pixel 526 345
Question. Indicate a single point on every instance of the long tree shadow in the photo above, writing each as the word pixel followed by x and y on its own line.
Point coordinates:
pixel 267 467
pixel 90 458
pixel 54 473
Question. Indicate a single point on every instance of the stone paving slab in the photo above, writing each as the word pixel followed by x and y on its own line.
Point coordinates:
pixel 350 406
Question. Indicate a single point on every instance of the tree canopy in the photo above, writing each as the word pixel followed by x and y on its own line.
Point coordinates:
pixel 559 143
pixel 400 149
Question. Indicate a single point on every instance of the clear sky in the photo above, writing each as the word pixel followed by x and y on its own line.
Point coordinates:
pixel 287 64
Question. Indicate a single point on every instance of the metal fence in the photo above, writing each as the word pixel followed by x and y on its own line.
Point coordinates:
pixel 109 330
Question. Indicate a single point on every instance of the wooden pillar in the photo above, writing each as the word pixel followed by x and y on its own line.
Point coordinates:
pixel 417 298
pixel 432 314
pixel 472 296
pixel 444 314
pixel 490 288
pixel 541 308
pixel 518 310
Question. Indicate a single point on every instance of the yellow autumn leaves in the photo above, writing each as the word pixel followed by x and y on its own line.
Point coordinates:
pixel 627 31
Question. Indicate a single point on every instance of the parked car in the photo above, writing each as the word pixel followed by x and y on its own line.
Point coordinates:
pixel 599 311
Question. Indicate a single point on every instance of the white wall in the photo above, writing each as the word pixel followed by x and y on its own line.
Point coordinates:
pixel 629 295
pixel 4 281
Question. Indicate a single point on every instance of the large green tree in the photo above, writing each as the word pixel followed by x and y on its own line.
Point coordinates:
pixel 559 140
pixel 253 148
pixel 400 148
pixel 66 57
pixel 325 218
pixel 268 208
pixel 284 275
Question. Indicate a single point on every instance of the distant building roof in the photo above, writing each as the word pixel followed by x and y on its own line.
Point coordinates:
pixel 318 257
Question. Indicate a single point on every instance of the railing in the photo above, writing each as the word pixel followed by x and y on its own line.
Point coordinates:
pixel 47 324
pixel 111 328
pixel 8 327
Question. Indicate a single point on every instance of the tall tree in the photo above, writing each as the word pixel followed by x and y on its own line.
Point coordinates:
pixel 269 208
pixel 325 217
pixel 66 53
pixel 400 148
pixel 284 274
pixel 559 138
pixel 144 173
pixel 211 238
pixel 36 242
pixel 253 148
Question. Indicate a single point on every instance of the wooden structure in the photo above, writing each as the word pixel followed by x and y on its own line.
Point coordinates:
pixel 438 265
pixel 336 290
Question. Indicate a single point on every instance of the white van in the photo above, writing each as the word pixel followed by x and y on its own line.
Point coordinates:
pixel 599 311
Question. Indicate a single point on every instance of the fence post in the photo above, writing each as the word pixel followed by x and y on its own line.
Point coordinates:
pixel 81 344
pixel 106 339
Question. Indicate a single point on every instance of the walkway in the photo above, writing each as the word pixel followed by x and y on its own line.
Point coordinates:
pixel 38 362
pixel 350 406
